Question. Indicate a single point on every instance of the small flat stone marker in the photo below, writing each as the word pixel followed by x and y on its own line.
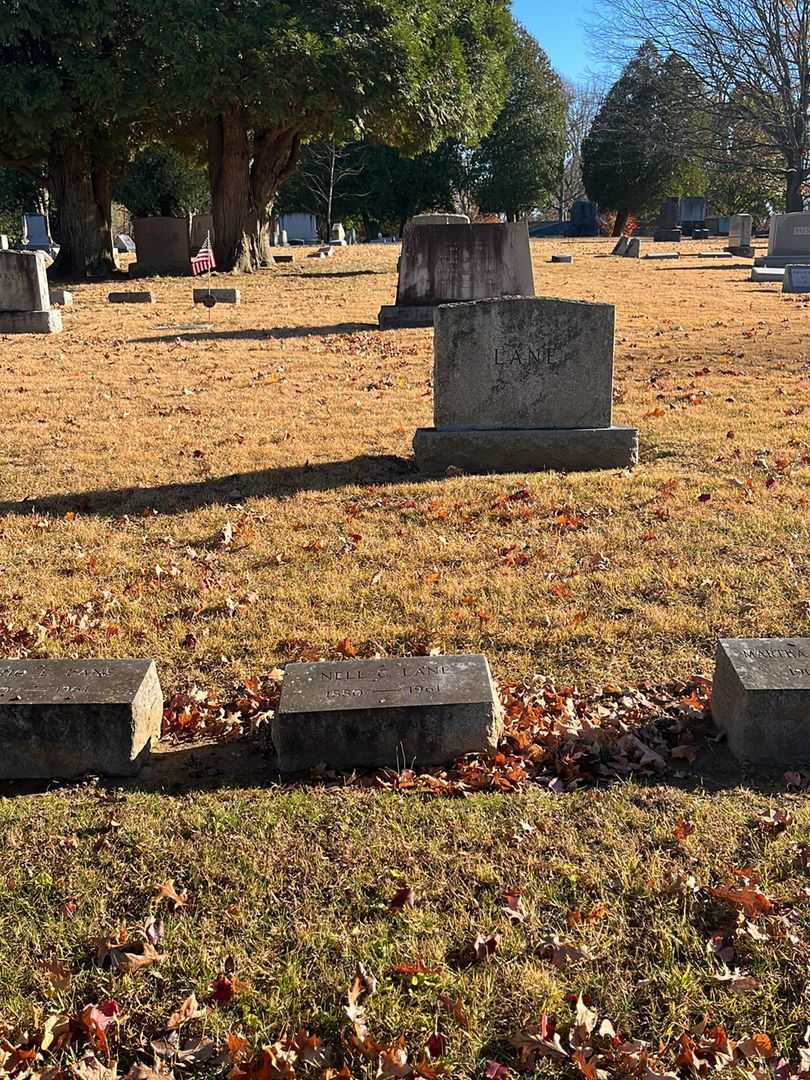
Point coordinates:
pixel 659 255
pixel 562 258
pixel 761 699
pixel 385 713
pixel 714 254
pixel 768 274
pixel 221 296
pixel 282 258
pixel 796 279
pixel 63 718
pixel 60 297
pixel 131 298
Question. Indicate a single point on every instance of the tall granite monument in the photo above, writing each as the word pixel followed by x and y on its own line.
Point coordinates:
pixel 442 264
pixel 523 384
pixel 788 241
pixel 667 229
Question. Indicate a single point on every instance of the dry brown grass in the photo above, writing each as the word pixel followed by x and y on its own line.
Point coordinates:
pixel 128 442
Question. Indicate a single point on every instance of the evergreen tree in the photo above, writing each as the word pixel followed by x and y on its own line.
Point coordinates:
pixel 518 163
pixel 636 153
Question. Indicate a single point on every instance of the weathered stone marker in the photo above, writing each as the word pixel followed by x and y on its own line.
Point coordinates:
pixel 131 298
pixel 523 384
pixel 768 273
pixel 64 718
pixel 562 258
pixel 60 297
pixel 221 296
pixel 621 246
pixel 739 235
pixel 788 240
pixel 761 699
pixel 659 255
pixel 442 264
pixel 796 279
pixel 25 306
pixel 282 258
pixel 385 713
pixel 633 249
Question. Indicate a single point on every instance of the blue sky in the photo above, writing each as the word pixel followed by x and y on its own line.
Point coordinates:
pixel 558 26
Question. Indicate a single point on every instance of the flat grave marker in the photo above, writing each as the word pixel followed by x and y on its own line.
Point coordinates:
pixel 385 713
pixel 219 296
pixel 60 719
pixel 131 298
pixel 761 699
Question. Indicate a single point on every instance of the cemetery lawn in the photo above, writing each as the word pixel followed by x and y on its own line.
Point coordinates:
pixel 226 499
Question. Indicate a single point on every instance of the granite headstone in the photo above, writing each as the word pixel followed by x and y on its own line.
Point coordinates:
pixel 25 306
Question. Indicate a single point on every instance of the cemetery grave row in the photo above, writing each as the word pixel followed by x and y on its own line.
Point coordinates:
pixel 62 719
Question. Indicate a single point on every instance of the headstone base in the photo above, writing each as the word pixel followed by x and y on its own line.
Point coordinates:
pixel 400 316
pixel 282 258
pixel 667 236
pixel 772 261
pixel 744 252
pixel 60 297
pixel 768 274
pixel 659 255
pixel 504 450
pixel 30 322
pixel 562 258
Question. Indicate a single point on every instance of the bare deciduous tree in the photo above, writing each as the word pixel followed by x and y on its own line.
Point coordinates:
pixel 752 58
pixel 584 101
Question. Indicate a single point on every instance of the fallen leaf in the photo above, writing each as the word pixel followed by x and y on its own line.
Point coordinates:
pixel 403 898
pixel 189 1010
pixel 167 891
pixel 485 946
pixel 513 907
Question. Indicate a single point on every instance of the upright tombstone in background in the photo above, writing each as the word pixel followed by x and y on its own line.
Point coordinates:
pixel 3 242
pixel 162 245
pixel 739 236
pixel 441 264
pixel 337 235
pixel 523 384
pixel 788 241
pixel 667 229
pixel 621 246
pixel 202 225
pixel 35 233
pixel 25 305
pixel 300 228
pixel 692 217
pixel 584 219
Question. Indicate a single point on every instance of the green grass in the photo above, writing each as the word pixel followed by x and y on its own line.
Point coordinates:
pixel 295 886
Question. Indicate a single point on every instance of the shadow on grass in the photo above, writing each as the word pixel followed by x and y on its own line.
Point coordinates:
pixel 276 333
pixel 343 273
pixel 364 470
pixel 716 266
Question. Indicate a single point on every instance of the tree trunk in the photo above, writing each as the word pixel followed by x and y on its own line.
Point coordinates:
pixel 794 200
pixel 242 190
pixel 83 195
pixel 620 223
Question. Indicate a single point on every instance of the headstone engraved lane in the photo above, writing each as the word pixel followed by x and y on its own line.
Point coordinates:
pixel 761 699
pixel 62 718
pixel 370 713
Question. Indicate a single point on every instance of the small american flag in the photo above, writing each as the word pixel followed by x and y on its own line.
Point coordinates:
pixel 204 259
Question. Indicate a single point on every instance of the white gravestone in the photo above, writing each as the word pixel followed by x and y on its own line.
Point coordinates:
pixel 788 240
pixel 25 306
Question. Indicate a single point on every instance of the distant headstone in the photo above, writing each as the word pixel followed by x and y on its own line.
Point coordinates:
pixel 25 305
pixel 667 229
pixel 283 258
pixel 761 699
pixel 692 216
pixel 797 278
pixel 351 236
pixel 584 219
pixel 788 240
pixel 633 250
pixel 131 298
pixel 60 297
pixel 338 234
pixel 220 296
pixel 523 384
pixel 300 228
pixel 60 719
pixel 562 258
pixel 36 236
pixel 202 225
pixel 163 246
pixel 621 246
pixel 441 264
pixel 427 710
pixel 440 219
pixel 739 236
pixel 3 242
pixel 124 244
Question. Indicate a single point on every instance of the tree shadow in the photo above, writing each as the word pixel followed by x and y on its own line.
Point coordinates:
pixel 717 266
pixel 343 273
pixel 278 333
pixel 180 498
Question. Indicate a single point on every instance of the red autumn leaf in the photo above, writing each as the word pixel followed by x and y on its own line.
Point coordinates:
pixel 403 898
pixel 345 648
